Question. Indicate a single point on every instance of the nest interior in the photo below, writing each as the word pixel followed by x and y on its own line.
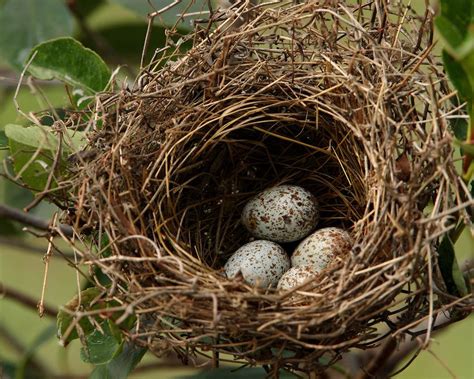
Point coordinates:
pixel 344 100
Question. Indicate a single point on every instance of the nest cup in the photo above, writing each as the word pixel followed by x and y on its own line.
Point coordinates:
pixel 345 101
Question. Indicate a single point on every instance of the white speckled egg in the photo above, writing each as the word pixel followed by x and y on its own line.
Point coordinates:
pixel 295 277
pixel 262 263
pixel 284 213
pixel 321 247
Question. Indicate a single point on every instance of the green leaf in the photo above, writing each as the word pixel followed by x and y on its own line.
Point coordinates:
pixel 171 16
pixel 455 19
pixel 3 140
pixel 452 275
pixel 456 26
pixel 102 345
pixel 458 76
pixel 26 23
pixel 468 148
pixel 65 319
pixel 459 125
pixel 121 365
pixel 33 150
pixel 68 60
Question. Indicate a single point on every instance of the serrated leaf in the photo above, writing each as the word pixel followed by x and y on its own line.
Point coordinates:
pixel 121 365
pixel 102 345
pixel 171 16
pixel 452 275
pixel 26 23
pixel 65 319
pixel 33 150
pixel 68 60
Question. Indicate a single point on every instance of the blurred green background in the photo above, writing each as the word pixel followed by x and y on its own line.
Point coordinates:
pixel 117 33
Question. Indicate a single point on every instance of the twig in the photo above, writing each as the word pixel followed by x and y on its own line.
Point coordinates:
pixel 378 360
pixel 46 260
pixel 26 300
pixel 31 220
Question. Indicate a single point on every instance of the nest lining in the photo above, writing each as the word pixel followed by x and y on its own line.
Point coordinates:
pixel 345 101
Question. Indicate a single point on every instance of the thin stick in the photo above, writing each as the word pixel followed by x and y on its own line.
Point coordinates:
pixel 46 259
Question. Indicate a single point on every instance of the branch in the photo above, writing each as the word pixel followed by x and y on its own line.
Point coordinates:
pixel 26 300
pixel 20 349
pixel 31 220
pixel 29 248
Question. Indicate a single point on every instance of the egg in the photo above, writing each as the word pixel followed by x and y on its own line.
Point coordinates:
pixel 262 263
pixel 321 248
pixel 284 213
pixel 295 277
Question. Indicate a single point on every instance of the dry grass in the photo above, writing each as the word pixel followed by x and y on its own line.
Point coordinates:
pixel 346 101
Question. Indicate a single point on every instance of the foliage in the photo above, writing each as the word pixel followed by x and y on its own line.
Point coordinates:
pixel 65 59
pixel 456 26
pixel 34 149
pixel 25 23
pixel 121 365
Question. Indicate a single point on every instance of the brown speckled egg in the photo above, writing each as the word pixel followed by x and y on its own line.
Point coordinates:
pixel 321 247
pixel 295 277
pixel 284 213
pixel 262 263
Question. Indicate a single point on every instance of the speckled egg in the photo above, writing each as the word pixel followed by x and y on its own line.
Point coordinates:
pixel 262 263
pixel 295 277
pixel 284 213
pixel 321 247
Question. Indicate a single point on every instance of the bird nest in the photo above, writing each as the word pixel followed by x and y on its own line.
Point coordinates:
pixel 347 101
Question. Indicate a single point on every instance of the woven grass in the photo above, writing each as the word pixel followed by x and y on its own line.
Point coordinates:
pixel 347 101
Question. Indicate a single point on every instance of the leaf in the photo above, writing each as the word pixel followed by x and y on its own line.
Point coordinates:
pixel 65 319
pixel 102 345
pixel 454 20
pixel 3 140
pixel 68 60
pixel 33 150
pixel 121 365
pixel 468 148
pixel 25 23
pixel 456 26
pixel 459 125
pixel 452 275
pixel 458 76
pixel 171 16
